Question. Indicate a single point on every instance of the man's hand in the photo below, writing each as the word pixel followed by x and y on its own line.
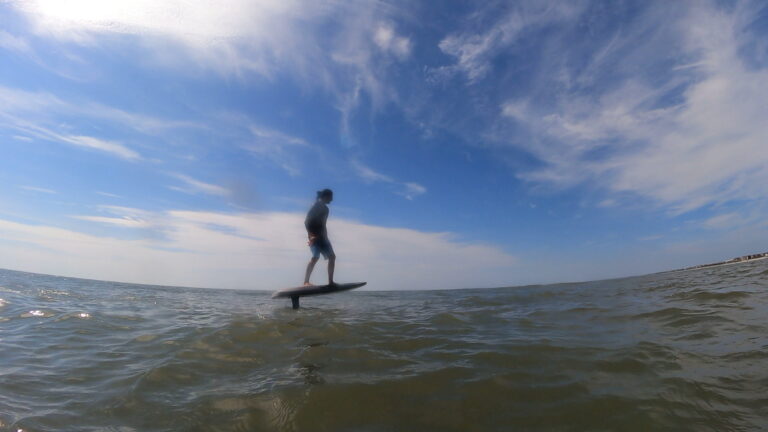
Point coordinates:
pixel 312 239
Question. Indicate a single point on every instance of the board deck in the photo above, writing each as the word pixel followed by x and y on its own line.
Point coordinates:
pixel 302 291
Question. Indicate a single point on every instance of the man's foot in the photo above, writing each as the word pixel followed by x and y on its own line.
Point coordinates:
pixel 308 284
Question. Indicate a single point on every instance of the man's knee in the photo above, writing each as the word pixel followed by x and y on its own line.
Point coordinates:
pixel 313 260
pixel 332 258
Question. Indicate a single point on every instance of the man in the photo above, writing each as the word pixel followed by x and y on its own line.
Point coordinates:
pixel 318 236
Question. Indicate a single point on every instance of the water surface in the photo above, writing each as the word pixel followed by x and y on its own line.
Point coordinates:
pixel 680 351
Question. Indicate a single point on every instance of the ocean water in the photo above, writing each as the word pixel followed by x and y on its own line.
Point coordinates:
pixel 679 351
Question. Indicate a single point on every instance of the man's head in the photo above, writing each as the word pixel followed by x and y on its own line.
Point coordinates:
pixel 326 195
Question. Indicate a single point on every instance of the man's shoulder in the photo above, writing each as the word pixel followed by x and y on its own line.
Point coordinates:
pixel 317 208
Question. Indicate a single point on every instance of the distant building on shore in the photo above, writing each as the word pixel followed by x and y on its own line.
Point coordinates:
pixel 732 260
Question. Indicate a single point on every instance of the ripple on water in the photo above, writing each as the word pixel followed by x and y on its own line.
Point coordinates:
pixel 36 313
pixel 675 317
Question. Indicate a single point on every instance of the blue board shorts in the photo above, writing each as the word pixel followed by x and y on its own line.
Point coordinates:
pixel 322 246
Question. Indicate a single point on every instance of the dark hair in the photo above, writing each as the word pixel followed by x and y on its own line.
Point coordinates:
pixel 324 193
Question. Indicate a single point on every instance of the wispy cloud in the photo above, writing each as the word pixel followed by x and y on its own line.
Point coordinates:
pixel 133 223
pixel 232 35
pixel 45 106
pixel 726 220
pixel 370 175
pixel 194 186
pixel 409 190
pixel 686 134
pixel 413 190
pixel 13 43
pixel 389 41
pixel 343 48
pixel 476 47
pixel 46 116
pixel 39 190
pixel 114 148
pixel 250 250
pixel 121 222
pixel 125 217
pixel 42 132
pixel 277 146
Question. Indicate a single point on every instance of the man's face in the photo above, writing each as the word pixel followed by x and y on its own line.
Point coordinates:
pixel 328 199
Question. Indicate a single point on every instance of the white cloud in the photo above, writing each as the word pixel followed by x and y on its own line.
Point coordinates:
pixel 387 40
pixel 270 139
pixel 192 186
pixel 194 22
pixel 369 175
pixel 232 36
pixel 256 250
pixel 686 149
pixel 727 220
pixel 278 147
pixel 15 101
pixel 112 147
pixel 125 217
pixel 47 107
pixel 13 43
pixel 46 116
pixel 475 48
pixel 38 130
pixel 413 190
pixel 409 190
pixel 39 189
pixel 121 222
pixel 344 48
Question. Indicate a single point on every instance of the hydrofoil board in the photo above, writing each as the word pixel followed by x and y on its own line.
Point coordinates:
pixel 303 291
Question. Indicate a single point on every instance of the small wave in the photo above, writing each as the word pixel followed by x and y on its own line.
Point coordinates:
pixel 623 365
pixel 678 317
pixel 644 356
pixel 758 354
pixel 9 290
pixel 701 404
pixel 74 315
pixel 478 301
pixel 669 285
pixel 448 319
pixel 52 293
pixel 413 344
pixel 710 296
pixel 671 312
pixel 146 338
pixel 36 313
pixel 695 336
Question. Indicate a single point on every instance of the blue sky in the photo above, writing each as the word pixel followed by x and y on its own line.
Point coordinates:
pixel 469 144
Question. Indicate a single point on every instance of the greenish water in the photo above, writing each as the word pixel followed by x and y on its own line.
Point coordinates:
pixel 682 351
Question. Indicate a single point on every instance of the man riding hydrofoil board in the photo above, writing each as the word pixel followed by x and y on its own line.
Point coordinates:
pixel 317 216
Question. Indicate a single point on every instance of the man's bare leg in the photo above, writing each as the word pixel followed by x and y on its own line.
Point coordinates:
pixel 331 268
pixel 310 267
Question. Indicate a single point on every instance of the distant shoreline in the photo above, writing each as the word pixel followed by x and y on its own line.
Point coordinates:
pixel 740 259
